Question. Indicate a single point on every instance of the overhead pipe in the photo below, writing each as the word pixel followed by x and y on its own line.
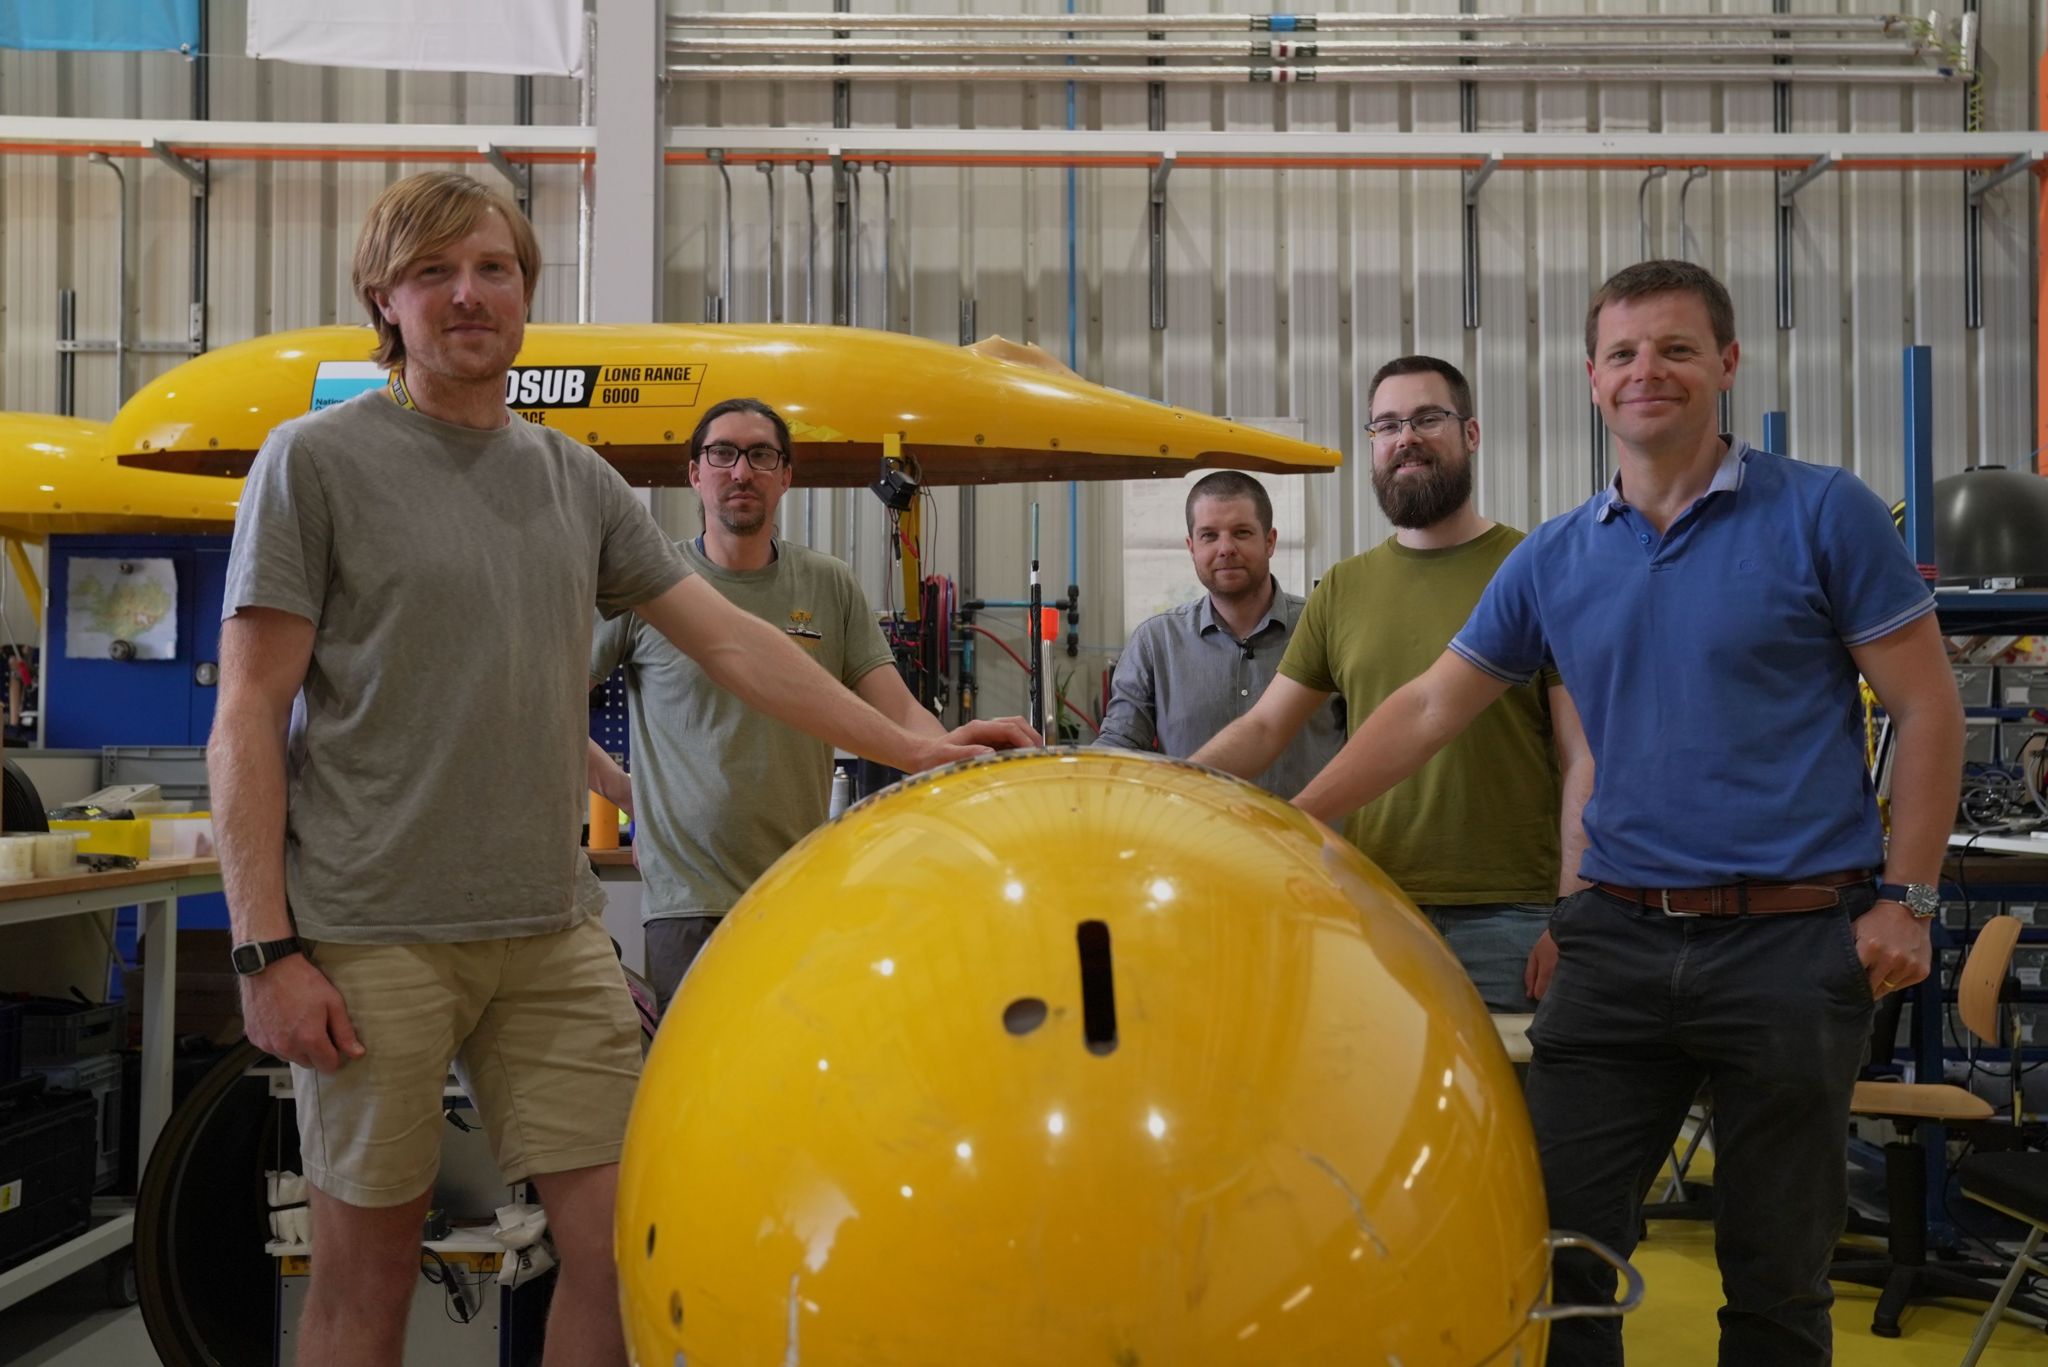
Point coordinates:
pixel 1687 243
pixel 120 285
pixel 1643 212
pixel 767 170
pixel 888 250
pixel 854 227
pixel 1290 23
pixel 804 168
pixel 724 313
pixel 1341 49
pixel 1341 75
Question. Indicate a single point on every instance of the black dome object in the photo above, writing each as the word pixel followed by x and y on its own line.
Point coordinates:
pixel 1991 529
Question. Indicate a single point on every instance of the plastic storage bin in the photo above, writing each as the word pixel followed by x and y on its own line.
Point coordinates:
pixel 60 1032
pixel 100 1078
pixel 46 1169
pixel 10 1042
pixel 110 837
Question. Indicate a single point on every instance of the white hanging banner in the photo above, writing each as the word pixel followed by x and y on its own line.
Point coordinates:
pixel 509 37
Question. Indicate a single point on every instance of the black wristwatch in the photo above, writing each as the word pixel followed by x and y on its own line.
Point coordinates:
pixel 1922 899
pixel 256 955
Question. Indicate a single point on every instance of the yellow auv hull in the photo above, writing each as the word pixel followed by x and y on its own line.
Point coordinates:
pixel 57 475
pixel 992 413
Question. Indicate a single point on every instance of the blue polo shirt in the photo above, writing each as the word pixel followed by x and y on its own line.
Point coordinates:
pixel 1711 667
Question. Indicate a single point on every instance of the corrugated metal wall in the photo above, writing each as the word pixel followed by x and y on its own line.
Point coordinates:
pixel 1286 288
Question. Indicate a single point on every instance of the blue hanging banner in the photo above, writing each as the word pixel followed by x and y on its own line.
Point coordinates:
pixel 101 25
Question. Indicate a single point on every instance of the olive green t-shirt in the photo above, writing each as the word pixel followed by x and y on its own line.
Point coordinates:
pixel 722 790
pixel 1478 823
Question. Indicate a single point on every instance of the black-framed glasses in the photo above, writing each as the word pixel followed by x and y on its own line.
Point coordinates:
pixel 1427 423
pixel 723 455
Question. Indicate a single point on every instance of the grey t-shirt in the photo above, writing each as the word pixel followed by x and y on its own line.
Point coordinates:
pixel 720 790
pixel 436 766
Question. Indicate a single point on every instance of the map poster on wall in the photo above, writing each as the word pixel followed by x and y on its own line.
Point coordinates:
pixel 121 610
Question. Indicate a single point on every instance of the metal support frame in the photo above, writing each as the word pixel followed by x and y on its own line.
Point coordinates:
pixel 520 177
pixel 1523 151
pixel 1156 228
pixel 842 240
pixel 844 258
pixel 1777 426
pixel 191 171
pixel 1976 185
pixel 1982 182
pixel 1973 200
pixel 1473 181
pixel 1394 73
pixel 120 346
pixel 201 67
pixel 1790 183
pixel 628 244
pixel 1781 215
pixel 1918 385
pixel 844 23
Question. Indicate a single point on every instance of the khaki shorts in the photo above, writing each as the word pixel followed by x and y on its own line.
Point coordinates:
pixel 543 1035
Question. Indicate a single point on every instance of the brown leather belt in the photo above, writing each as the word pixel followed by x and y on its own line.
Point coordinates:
pixel 1744 899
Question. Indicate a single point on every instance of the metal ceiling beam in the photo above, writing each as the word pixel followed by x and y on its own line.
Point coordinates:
pixel 1291 23
pixel 1523 74
pixel 516 142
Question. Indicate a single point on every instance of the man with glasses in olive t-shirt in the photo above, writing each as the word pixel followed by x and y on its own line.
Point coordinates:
pixel 1475 836
pixel 721 791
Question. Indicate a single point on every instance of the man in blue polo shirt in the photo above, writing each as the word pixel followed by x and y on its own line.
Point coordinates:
pixel 1709 613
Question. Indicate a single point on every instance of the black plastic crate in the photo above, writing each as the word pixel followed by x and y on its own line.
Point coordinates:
pixel 55 1031
pixel 10 1042
pixel 100 1078
pixel 46 1169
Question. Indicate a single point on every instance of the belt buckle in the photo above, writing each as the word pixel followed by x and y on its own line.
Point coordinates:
pixel 1664 896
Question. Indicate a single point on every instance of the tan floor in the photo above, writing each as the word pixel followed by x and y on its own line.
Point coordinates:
pixel 1675 1327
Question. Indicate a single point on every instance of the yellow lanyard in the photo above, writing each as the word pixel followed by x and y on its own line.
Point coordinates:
pixel 399 395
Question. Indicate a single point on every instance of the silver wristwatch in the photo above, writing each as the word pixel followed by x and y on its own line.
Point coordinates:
pixel 1922 899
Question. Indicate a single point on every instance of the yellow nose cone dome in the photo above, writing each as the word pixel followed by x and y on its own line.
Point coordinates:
pixel 1071 1058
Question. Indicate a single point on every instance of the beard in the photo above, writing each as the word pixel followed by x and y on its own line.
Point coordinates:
pixel 741 519
pixel 1424 502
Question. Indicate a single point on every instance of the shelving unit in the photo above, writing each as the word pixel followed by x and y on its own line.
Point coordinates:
pixel 155 887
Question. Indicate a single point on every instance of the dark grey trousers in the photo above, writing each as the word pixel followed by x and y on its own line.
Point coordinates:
pixel 673 944
pixel 1773 1013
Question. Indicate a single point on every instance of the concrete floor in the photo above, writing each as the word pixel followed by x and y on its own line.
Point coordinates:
pixel 71 1325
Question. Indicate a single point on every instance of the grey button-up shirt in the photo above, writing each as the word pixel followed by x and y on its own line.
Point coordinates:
pixel 1184 677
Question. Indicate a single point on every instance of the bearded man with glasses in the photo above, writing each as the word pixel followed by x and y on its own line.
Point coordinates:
pixel 1475 836
pixel 720 790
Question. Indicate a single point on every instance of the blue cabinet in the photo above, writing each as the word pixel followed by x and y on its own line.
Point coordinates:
pixel 89 703
pixel 92 703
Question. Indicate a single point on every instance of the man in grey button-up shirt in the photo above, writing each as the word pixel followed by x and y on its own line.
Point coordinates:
pixel 1188 673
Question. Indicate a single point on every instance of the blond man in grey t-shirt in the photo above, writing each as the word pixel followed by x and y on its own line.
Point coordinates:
pixel 721 791
pixel 397 766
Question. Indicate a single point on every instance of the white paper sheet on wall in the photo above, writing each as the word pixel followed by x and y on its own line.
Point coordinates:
pixel 121 609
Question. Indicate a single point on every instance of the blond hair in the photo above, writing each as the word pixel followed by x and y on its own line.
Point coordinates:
pixel 417 217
